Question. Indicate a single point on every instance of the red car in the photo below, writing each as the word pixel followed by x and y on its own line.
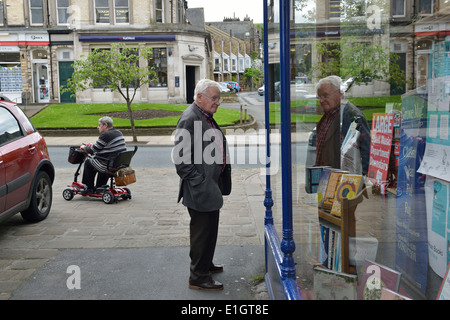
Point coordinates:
pixel 26 173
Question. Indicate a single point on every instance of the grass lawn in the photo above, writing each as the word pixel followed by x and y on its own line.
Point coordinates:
pixel 369 105
pixel 65 116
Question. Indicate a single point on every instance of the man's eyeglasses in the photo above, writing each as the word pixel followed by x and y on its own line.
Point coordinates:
pixel 327 95
pixel 215 99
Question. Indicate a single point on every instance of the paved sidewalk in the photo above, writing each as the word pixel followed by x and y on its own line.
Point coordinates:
pixel 135 249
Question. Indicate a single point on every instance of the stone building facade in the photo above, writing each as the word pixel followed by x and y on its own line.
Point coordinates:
pixel 39 40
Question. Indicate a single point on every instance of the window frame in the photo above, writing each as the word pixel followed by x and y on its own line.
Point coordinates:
pixel 404 9
pixel 159 10
pixel 97 19
pixel 67 16
pixel 116 7
pixel 36 9
pixel 332 13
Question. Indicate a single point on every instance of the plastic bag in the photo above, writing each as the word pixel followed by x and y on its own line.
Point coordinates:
pixel 350 151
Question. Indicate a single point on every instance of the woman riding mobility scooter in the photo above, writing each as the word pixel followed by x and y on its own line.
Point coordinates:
pixel 118 170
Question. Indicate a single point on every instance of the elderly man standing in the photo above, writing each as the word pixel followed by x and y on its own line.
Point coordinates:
pixel 334 124
pixel 200 157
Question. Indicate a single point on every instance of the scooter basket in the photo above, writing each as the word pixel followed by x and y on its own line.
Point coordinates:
pixel 124 177
pixel 75 155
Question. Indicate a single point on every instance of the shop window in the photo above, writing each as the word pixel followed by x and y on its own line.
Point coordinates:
pixel 96 85
pixel 398 8
pixel 159 11
pixel 397 223
pixel 10 73
pixel 63 11
pixel 36 12
pixel 158 61
pixel 134 60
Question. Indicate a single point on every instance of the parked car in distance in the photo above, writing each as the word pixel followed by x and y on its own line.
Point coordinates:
pixel 345 86
pixel 261 91
pixel 26 172
pixel 233 86
pixel 224 87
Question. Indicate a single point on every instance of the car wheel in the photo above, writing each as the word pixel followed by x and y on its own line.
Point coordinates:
pixel 108 197
pixel 41 199
pixel 68 194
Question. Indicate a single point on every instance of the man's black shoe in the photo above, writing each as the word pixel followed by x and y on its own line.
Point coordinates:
pixel 216 268
pixel 210 286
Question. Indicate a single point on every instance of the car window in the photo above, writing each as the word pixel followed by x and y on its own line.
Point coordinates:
pixel 9 127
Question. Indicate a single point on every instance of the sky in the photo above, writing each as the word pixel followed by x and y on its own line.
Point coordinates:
pixel 216 10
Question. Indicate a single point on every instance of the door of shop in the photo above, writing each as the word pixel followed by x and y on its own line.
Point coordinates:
pixel 41 88
pixel 65 73
pixel 190 83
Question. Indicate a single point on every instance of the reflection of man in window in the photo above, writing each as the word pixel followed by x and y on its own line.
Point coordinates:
pixel 334 124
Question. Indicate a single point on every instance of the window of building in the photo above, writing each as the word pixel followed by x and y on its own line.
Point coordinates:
pixel 241 65
pixel 335 8
pixel 226 65
pixel 398 8
pixel 158 62
pixel 181 12
pixel 233 64
pixel 36 12
pixel 217 65
pixel 2 16
pixel 159 11
pixel 102 13
pixel 426 6
pixel 99 84
pixel 63 11
pixel 10 72
pixel 121 10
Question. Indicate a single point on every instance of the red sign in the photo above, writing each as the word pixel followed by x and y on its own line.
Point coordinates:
pixel 380 146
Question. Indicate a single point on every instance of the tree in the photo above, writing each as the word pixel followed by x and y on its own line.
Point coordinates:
pixel 252 76
pixel 362 60
pixel 116 69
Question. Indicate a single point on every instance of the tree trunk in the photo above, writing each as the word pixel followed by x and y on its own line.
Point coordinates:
pixel 133 128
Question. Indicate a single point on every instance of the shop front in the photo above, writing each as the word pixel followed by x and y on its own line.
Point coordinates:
pixel 375 225
pixel 179 60
pixel 16 50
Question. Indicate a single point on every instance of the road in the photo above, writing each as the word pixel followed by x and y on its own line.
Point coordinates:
pixel 252 156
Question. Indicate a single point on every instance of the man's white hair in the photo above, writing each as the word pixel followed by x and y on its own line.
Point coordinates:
pixel 203 85
pixel 335 81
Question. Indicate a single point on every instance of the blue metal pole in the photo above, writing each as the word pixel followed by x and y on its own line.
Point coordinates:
pixel 287 243
pixel 268 200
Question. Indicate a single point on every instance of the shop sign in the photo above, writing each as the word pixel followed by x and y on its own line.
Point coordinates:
pixel 10 49
pixel 124 38
pixel 37 37
pixel 380 146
